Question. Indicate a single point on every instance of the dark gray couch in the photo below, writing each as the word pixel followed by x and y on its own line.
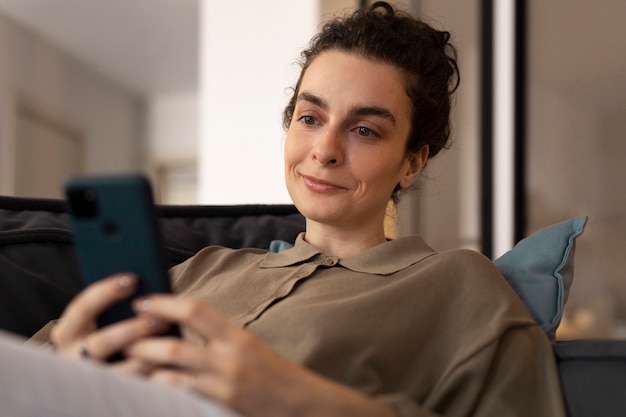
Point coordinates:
pixel 39 275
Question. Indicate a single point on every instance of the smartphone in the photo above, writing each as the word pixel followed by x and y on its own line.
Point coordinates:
pixel 115 228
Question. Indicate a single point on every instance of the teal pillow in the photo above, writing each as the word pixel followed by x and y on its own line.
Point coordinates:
pixel 279 245
pixel 540 268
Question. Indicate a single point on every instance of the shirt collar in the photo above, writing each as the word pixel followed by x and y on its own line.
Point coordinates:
pixel 383 259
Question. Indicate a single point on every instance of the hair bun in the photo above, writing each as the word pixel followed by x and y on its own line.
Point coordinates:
pixel 441 39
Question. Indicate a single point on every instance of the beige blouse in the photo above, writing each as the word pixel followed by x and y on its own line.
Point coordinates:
pixel 428 333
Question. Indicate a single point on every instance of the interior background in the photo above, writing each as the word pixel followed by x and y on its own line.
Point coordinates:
pixel 190 92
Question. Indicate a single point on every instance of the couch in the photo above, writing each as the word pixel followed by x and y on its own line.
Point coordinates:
pixel 39 275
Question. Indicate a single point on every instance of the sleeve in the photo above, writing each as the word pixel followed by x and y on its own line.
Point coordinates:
pixel 520 376
pixel 404 406
pixel 514 376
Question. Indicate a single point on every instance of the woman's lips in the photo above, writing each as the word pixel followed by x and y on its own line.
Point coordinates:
pixel 319 185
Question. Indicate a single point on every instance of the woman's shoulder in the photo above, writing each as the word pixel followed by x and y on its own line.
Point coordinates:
pixel 470 279
pixel 469 270
pixel 212 260
pixel 213 255
pixel 465 258
pixel 216 250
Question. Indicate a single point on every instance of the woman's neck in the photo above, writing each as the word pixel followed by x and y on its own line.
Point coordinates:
pixel 341 241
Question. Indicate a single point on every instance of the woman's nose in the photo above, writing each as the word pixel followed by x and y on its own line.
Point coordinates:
pixel 328 148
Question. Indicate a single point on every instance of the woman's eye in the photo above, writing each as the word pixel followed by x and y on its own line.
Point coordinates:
pixel 308 120
pixel 366 132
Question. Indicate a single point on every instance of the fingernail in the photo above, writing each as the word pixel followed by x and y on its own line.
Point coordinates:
pixel 124 280
pixel 142 304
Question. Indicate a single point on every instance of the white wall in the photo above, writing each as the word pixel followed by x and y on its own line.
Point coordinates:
pixel 172 151
pixel 111 118
pixel 247 66
pixel 172 127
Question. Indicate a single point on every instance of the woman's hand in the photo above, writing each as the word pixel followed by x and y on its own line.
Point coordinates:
pixel 76 333
pixel 236 368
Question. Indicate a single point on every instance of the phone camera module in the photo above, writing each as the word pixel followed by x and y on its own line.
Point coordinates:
pixel 83 202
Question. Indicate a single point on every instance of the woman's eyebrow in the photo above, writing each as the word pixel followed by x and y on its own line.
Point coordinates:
pixel 355 111
pixel 373 111
pixel 313 99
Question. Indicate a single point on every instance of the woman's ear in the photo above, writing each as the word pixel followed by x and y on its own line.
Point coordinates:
pixel 414 164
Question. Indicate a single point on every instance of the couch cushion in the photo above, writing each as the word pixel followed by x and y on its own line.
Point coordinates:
pixel 38 266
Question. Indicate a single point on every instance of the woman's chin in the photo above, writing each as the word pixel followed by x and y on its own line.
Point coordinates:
pixel 321 213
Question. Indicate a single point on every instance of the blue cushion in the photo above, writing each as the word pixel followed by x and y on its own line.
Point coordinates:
pixel 540 268
pixel 279 245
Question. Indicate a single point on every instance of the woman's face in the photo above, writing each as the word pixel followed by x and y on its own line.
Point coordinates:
pixel 345 146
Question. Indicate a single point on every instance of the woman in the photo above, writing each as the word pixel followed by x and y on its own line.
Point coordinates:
pixel 346 322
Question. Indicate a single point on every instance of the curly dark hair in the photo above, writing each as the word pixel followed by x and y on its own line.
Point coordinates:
pixel 422 53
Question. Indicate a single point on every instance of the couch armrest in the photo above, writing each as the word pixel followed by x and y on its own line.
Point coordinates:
pixel 593 377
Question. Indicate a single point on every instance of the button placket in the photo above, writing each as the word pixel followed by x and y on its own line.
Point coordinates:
pixel 285 289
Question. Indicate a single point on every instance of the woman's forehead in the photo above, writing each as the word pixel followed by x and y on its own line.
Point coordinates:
pixel 341 77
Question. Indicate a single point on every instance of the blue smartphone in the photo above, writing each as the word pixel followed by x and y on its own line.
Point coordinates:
pixel 115 228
